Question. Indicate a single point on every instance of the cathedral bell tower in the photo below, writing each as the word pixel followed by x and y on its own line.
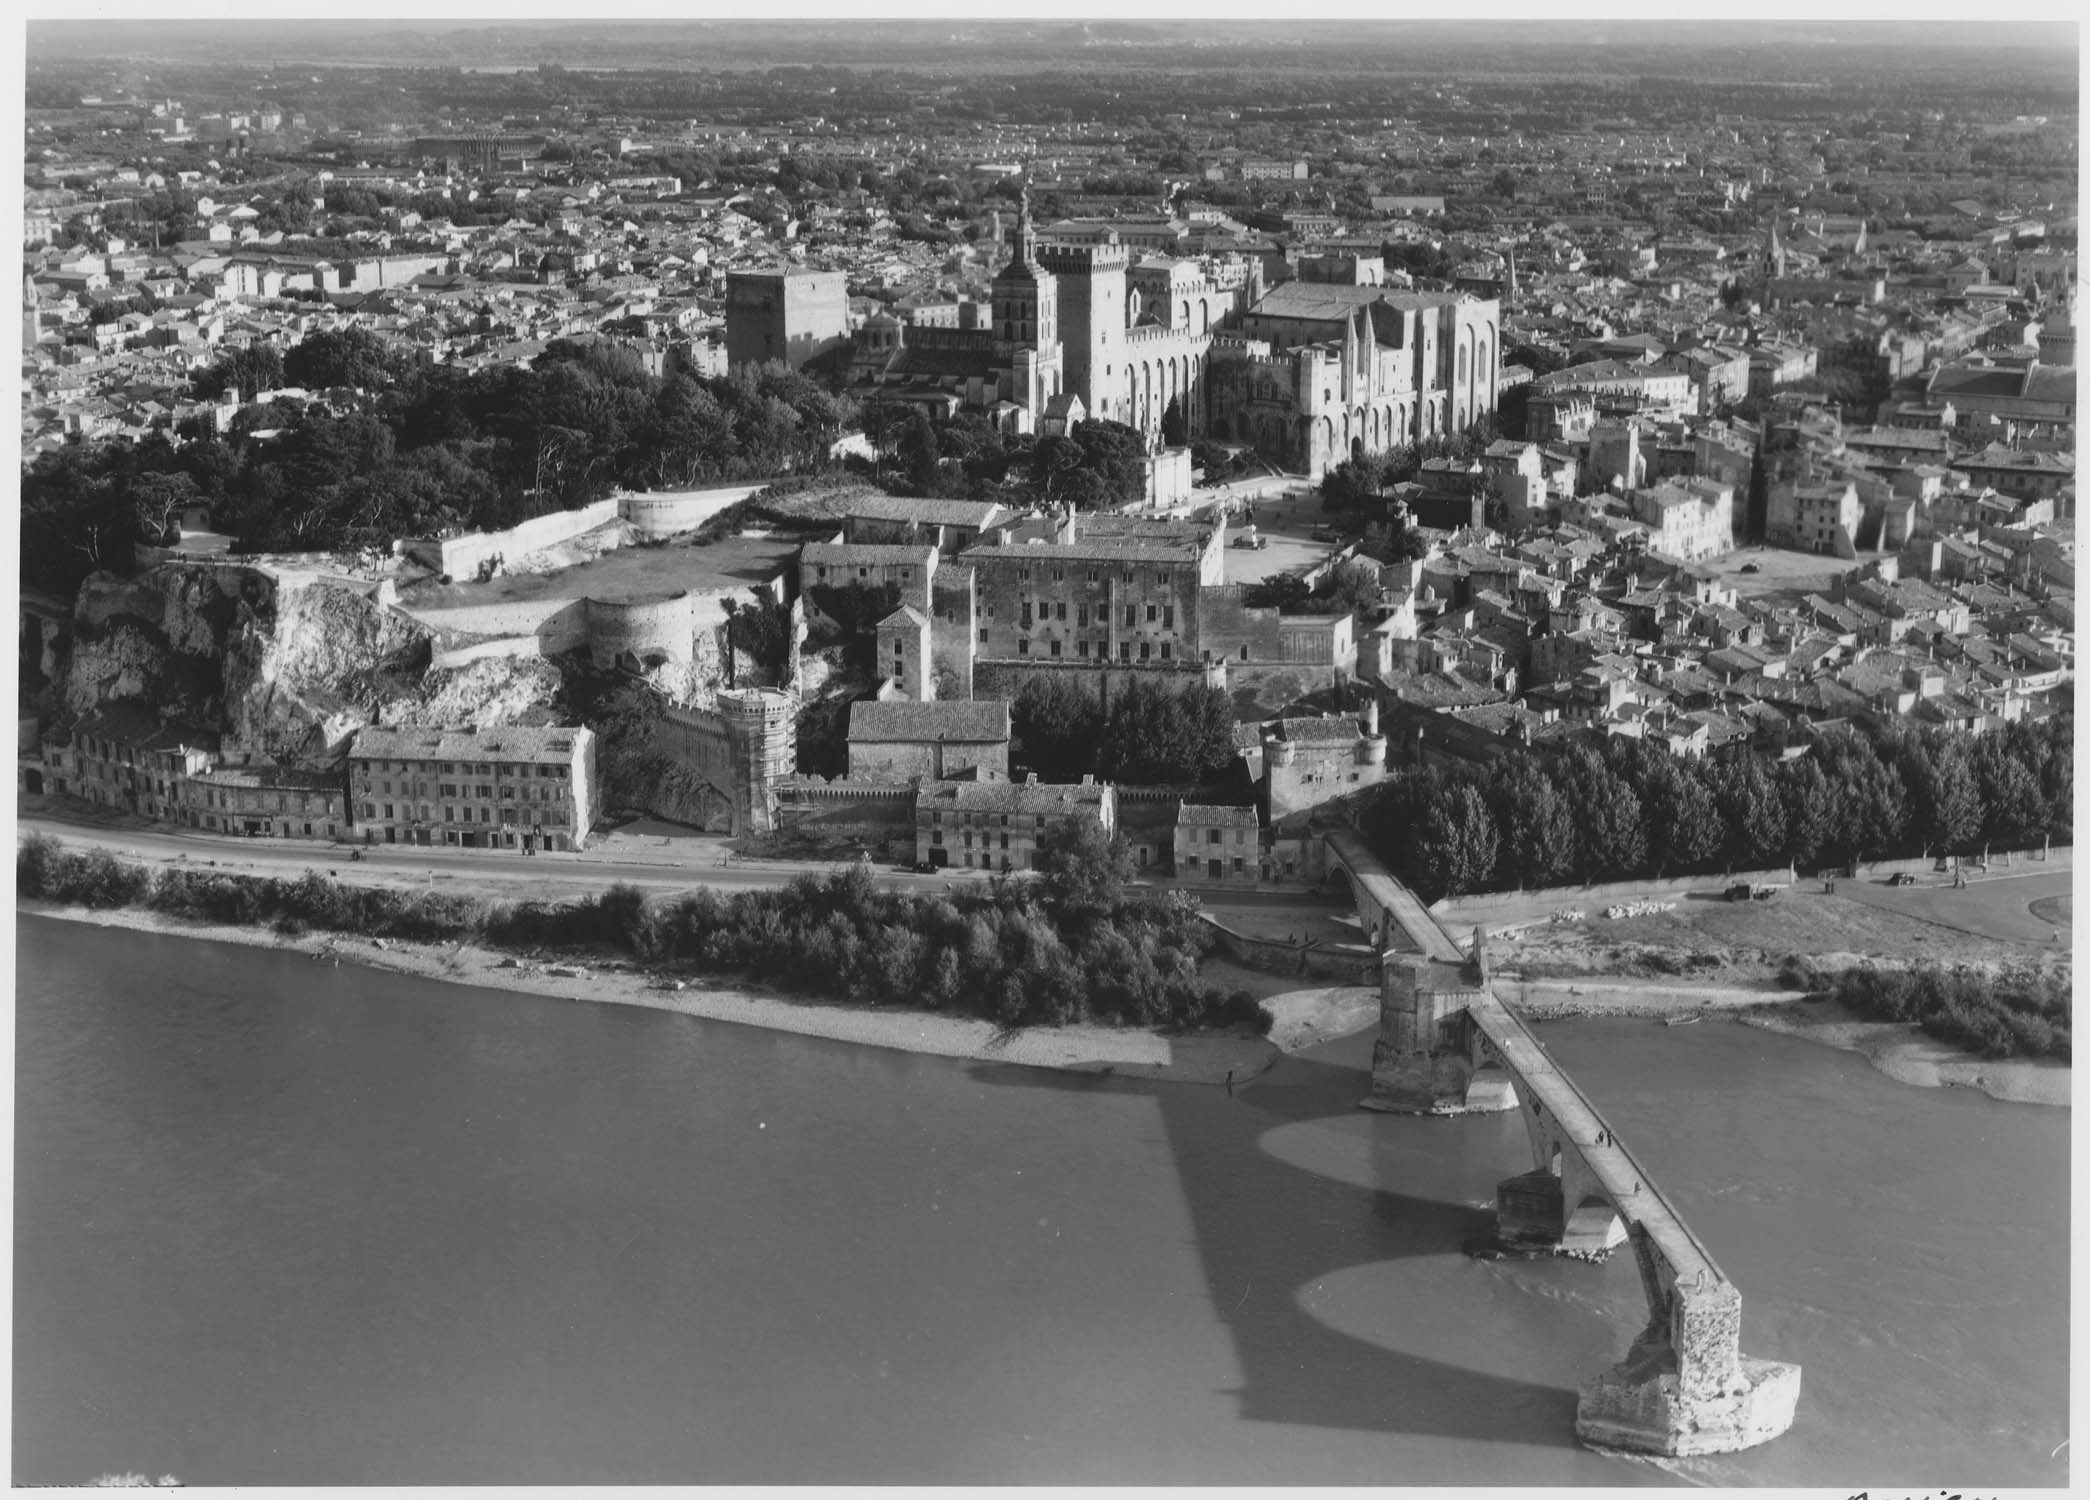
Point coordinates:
pixel 1026 320
pixel 1026 299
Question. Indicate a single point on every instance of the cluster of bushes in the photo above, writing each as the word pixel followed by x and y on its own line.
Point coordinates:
pixel 1629 810
pixel 1071 946
pixel 2017 1013
pixel 98 880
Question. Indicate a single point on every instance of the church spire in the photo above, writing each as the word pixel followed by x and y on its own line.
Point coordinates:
pixel 1023 240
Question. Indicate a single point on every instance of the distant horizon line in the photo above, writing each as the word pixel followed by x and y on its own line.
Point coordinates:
pixel 1662 30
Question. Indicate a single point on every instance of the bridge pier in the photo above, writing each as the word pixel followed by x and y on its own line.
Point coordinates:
pixel 1561 1206
pixel 1426 1060
pixel 1684 1386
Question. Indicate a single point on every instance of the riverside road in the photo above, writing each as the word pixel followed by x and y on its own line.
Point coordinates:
pixel 1995 905
pixel 651 862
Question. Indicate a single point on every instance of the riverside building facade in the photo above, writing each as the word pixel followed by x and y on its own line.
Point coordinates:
pixel 508 787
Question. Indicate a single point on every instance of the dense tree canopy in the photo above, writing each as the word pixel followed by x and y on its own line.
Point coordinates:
pixel 1152 734
pixel 1102 464
pixel 435 447
pixel 1629 810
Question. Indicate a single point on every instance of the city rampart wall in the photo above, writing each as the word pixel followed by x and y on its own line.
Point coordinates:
pixel 461 556
pixel 504 646
pixel 663 513
pixel 680 627
pixel 645 630
pixel 872 812
pixel 1345 963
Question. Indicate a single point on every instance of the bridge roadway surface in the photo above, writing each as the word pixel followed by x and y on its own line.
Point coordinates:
pixel 1540 1082
pixel 1632 1189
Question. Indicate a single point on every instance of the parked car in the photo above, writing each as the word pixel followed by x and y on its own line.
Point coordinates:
pixel 1751 568
pixel 1327 534
pixel 1901 877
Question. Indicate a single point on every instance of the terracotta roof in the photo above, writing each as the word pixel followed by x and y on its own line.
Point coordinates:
pixel 980 720
pixel 506 742
pixel 1196 815
pixel 1013 796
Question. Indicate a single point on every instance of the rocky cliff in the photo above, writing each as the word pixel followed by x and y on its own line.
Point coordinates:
pixel 493 690
pixel 287 671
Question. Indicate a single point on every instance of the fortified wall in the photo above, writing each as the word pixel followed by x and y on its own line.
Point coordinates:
pixel 687 627
pixel 463 556
pixel 651 516
pixel 743 750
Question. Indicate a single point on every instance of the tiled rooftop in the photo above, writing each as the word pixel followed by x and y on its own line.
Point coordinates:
pixel 979 720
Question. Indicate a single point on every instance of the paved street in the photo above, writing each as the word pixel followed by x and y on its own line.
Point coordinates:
pixel 652 861
pixel 1995 905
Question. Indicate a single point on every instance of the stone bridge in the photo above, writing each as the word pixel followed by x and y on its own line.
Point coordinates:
pixel 1446 1045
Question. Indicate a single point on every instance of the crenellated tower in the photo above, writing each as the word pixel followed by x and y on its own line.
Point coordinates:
pixel 1092 321
pixel 762 734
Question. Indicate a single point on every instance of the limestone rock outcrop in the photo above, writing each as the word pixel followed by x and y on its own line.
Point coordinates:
pixel 284 670
pixel 492 690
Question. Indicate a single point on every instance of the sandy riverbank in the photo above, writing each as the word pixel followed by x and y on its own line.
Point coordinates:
pixel 1896 1048
pixel 1302 1017
pixel 1904 1053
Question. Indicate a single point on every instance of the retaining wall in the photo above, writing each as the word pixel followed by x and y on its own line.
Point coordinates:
pixel 1344 964
pixel 2062 857
pixel 1592 898
pixel 661 513
pixel 460 556
pixel 509 646
pixel 874 813
pixel 1466 910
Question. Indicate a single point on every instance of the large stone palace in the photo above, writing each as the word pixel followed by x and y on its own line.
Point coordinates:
pixel 1310 372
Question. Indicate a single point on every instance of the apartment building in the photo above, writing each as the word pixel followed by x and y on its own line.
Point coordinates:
pixel 506 787
pixel 1218 845
pixel 123 757
pixel 266 802
pixel 1687 518
pixel 996 825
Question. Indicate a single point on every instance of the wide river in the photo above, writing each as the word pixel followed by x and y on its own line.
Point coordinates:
pixel 279 1223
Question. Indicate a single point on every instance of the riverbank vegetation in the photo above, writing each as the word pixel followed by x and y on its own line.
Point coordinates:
pixel 1071 945
pixel 2019 1012
pixel 1631 810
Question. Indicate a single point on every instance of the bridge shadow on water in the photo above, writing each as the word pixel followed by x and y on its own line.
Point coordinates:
pixel 1267 1230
